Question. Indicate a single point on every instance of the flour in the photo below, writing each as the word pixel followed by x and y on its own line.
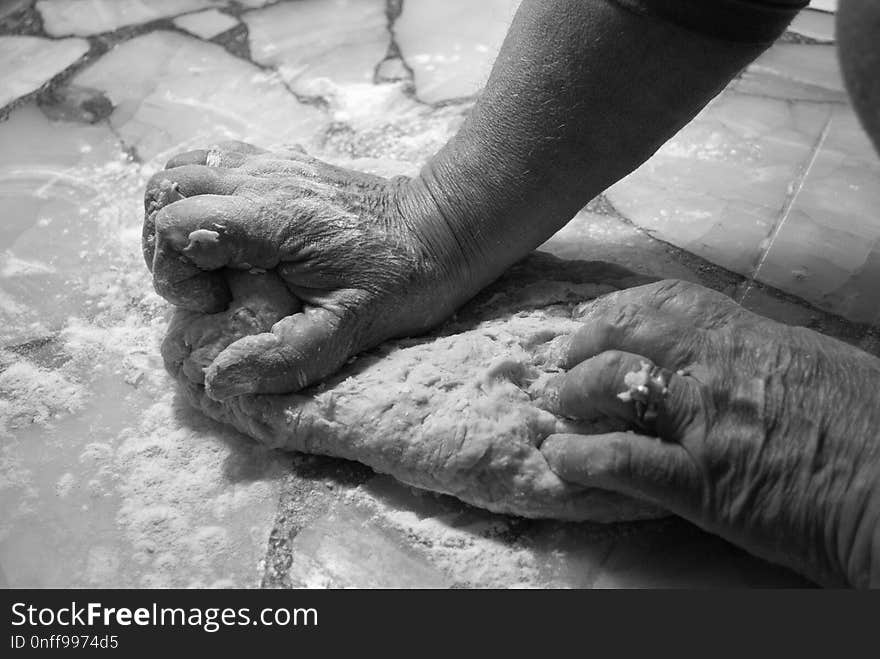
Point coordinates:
pixel 189 523
pixel 65 484
pixel 473 555
pixel 31 395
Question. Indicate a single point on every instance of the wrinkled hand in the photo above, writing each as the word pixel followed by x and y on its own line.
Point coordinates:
pixel 770 438
pixel 368 258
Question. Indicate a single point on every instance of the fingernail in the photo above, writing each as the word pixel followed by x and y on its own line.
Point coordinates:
pixel 221 387
pixel 547 396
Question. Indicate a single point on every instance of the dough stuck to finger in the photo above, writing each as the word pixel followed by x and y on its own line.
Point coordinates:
pixel 195 340
pixel 458 412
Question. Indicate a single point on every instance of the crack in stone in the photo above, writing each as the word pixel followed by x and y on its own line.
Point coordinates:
pixel 794 190
pixel 312 485
pixel 25 21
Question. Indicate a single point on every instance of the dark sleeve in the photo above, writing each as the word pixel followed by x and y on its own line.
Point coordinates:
pixel 744 21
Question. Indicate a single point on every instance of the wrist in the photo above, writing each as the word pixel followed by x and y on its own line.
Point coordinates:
pixel 445 223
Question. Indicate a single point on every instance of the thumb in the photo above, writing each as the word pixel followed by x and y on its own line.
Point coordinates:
pixel 300 350
pixel 639 466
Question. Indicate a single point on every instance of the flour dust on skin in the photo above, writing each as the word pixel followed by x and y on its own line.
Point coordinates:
pixel 105 478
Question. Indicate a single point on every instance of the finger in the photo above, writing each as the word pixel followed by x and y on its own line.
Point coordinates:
pixel 167 187
pixel 195 157
pixel 703 307
pixel 636 465
pixel 231 153
pixel 312 173
pixel 189 181
pixel 592 390
pixel 300 350
pixel 213 232
pixel 180 229
pixel 660 336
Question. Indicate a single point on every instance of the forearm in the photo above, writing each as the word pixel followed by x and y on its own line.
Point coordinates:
pixel 582 92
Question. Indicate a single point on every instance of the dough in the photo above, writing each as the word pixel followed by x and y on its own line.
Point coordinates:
pixel 456 412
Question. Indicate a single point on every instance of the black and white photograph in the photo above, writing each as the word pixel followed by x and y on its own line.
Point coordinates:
pixel 323 295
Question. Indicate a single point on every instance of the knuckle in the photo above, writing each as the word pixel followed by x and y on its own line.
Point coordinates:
pixel 181 156
pixel 669 289
pixel 614 364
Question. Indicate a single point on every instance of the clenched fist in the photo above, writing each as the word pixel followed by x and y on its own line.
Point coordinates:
pixel 363 258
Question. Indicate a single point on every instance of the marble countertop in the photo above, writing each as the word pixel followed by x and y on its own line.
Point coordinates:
pixel 106 479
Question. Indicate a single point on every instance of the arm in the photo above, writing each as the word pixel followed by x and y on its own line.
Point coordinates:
pixel 583 91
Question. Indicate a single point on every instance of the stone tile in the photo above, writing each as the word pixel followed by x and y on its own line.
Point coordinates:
pixel 827 251
pixel 717 188
pixel 129 491
pixel 824 5
pixel 28 63
pixel 594 236
pixel 206 24
pixel 384 534
pixel 50 190
pixel 806 72
pixel 105 480
pixel 341 40
pixel 816 25
pixel 345 549
pixel 452 45
pixel 9 7
pixel 87 17
pixel 174 92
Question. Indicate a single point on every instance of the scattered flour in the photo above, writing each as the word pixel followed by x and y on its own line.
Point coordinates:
pixel 191 524
pixel 193 503
pixel 471 552
pixel 30 394
pixel 65 484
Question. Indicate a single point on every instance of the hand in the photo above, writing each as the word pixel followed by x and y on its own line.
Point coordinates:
pixel 769 434
pixel 369 258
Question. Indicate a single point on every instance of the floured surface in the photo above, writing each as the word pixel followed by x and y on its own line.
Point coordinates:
pixel 108 478
pixel 458 413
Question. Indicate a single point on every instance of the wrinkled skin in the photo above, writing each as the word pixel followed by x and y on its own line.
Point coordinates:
pixel 770 441
pixel 368 257
pixel 769 437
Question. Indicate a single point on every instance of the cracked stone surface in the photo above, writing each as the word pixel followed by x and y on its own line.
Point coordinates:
pixel 173 92
pixel 87 17
pixel 35 62
pixel 341 40
pixel 106 479
pixel 206 24
pixel 451 46
pixel 816 25
pixel 827 248
pixel 717 187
